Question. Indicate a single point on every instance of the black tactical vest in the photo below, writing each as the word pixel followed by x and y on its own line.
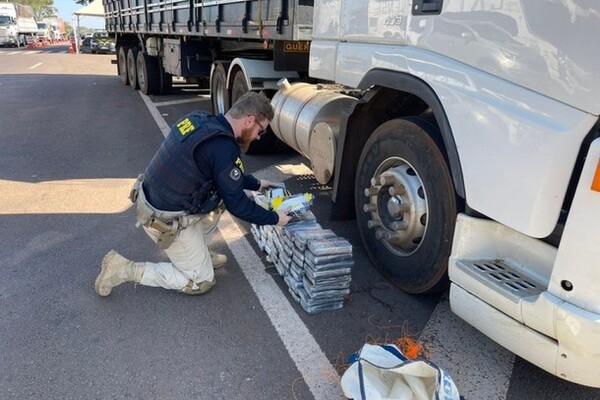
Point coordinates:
pixel 172 178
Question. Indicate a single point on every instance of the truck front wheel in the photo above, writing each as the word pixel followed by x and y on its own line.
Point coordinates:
pixel 406 205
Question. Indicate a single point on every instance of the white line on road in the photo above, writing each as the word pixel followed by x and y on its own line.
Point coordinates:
pixel 201 97
pixel 318 373
pixel 160 121
pixel 35 66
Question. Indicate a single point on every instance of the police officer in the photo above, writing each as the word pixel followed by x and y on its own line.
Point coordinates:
pixel 181 195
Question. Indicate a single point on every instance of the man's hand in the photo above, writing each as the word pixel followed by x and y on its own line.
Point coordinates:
pixel 284 218
pixel 266 184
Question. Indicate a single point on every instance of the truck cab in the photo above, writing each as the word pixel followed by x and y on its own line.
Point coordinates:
pixel 9 33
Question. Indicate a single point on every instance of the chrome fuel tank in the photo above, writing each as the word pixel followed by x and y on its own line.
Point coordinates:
pixel 307 118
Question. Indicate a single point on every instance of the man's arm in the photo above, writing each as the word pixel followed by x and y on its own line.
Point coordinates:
pixel 223 157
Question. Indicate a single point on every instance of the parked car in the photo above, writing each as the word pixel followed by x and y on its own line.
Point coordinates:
pixel 85 46
pixel 101 42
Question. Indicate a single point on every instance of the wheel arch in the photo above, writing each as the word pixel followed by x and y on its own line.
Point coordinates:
pixel 389 94
pixel 127 39
pixel 259 74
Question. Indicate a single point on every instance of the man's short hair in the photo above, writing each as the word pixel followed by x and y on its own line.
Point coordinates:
pixel 252 103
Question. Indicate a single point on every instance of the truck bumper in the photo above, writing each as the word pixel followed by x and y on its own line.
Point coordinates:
pixel 574 355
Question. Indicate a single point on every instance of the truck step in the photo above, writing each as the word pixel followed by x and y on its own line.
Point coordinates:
pixel 498 275
pixel 504 268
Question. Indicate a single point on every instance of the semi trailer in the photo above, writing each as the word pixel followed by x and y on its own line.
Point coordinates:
pixel 463 137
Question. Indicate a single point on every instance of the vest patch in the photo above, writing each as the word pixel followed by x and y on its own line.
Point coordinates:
pixel 235 173
pixel 185 126
pixel 240 165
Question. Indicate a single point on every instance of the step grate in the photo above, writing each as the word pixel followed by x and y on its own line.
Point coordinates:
pixel 499 273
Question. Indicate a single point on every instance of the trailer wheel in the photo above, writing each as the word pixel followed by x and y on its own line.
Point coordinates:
pixel 165 80
pixel 122 64
pixel 265 144
pixel 132 67
pixel 219 96
pixel 406 205
pixel 148 73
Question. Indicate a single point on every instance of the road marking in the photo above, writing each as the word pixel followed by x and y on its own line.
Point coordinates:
pixel 31 52
pixel 35 66
pixel 318 373
pixel 160 121
pixel 479 367
pixel 13 52
pixel 201 97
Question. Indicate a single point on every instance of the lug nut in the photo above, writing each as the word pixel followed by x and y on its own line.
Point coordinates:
pixel 396 237
pixel 399 225
pixel 396 190
pixel 385 180
pixel 369 207
pixel 373 223
pixel 372 191
pixel 381 234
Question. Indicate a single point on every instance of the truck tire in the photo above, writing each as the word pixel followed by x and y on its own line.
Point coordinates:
pixel 265 144
pixel 219 95
pixel 122 64
pixel 406 205
pixel 132 67
pixel 148 74
pixel 166 80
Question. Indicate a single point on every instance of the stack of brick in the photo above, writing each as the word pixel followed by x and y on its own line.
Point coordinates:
pixel 314 263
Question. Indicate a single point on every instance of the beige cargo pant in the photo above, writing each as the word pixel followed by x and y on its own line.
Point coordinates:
pixel 189 254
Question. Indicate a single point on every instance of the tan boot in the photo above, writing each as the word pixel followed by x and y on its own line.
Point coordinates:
pixel 218 260
pixel 199 288
pixel 116 269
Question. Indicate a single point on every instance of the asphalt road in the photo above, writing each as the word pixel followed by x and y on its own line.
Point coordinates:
pixel 73 140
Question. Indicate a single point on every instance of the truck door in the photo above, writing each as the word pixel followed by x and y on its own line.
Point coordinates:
pixel 375 21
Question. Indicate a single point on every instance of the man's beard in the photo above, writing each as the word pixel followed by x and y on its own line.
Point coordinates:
pixel 244 141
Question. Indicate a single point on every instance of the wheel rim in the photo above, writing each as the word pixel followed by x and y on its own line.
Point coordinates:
pixel 239 87
pixel 397 205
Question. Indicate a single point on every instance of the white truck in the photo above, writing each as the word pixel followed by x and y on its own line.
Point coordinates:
pixel 17 24
pixel 463 136
pixel 56 26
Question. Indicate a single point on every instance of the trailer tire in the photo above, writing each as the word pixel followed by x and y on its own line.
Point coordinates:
pixel 165 84
pixel 132 67
pixel 148 74
pixel 122 64
pixel 266 143
pixel 219 95
pixel 409 246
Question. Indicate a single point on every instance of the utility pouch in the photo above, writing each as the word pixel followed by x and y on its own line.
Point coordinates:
pixel 167 232
pixel 135 189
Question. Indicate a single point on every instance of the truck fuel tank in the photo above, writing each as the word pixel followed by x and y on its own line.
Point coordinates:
pixel 307 118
